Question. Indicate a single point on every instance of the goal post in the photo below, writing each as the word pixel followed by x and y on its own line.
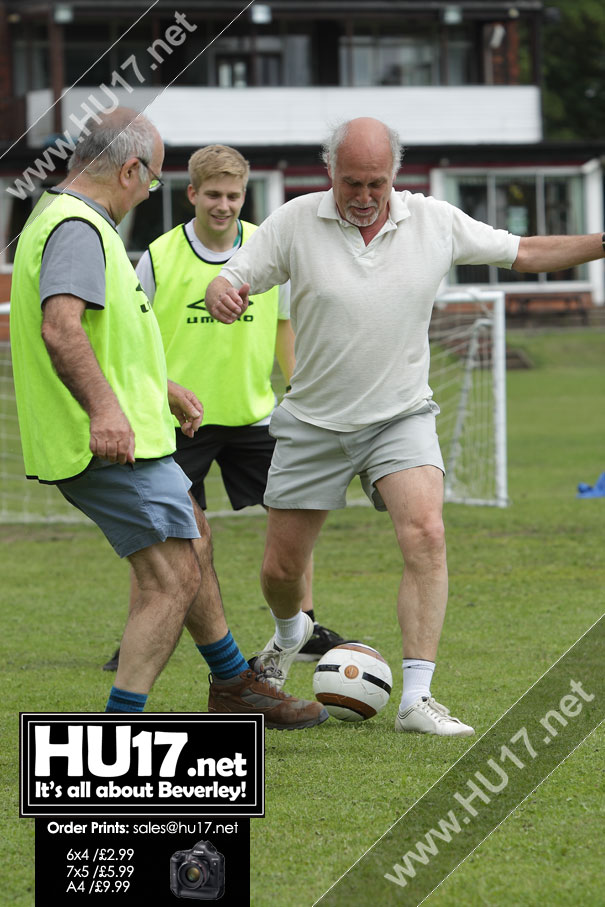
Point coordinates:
pixel 468 379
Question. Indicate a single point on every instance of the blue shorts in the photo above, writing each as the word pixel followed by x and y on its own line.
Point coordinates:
pixel 135 505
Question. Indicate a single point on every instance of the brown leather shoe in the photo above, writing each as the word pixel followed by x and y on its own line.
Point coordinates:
pixel 252 692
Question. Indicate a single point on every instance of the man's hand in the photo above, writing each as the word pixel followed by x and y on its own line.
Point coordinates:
pixel 224 302
pixel 111 435
pixel 186 407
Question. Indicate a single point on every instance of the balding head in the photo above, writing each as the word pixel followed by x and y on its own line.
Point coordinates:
pixel 362 158
pixel 366 137
pixel 109 138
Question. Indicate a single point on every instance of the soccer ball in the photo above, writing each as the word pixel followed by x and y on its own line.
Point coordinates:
pixel 352 681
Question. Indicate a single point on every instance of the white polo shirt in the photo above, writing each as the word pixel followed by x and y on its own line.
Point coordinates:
pixel 361 313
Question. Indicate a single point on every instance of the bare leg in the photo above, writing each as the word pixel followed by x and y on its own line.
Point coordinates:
pixel 291 535
pixel 414 498
pixel 206 619
pixel 167 580
pixel 307 602
pixel 162 597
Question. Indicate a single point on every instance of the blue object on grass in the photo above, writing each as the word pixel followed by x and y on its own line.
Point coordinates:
pixel 592 491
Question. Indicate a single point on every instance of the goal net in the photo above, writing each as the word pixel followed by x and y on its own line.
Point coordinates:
pixel 468 378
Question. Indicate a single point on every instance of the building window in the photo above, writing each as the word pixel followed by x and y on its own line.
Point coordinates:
pixel 525 203
pixel 367 60
pixel 233 72
pixel 14 212
pixel 31 66
pixel 461 64
pixel 381 55
pixel 263 60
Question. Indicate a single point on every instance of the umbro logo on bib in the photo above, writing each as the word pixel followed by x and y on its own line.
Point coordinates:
pixel 144 305
pixel 201 307
pixel 198 305
pixel 208 319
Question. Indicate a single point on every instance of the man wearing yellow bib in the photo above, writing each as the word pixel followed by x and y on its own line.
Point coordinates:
pixel 228 367
pixel 96 417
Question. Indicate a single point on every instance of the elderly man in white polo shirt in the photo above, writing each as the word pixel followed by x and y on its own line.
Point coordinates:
pixel 365 263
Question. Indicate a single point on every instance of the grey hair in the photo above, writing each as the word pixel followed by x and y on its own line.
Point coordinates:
pixel 107 141
pixel 329 150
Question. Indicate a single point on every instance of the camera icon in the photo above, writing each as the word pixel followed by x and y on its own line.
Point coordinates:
pixel 198 873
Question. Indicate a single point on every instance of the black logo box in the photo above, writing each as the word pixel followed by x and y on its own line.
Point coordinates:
pixel 108 764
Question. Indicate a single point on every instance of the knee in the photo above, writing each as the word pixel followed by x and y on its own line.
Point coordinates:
pixel 183 582
pixel 423 539
pixel 174 574
pixel 280 567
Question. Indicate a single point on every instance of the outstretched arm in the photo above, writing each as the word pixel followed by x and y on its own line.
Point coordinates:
pixel 111 435
pixel 224 302
pixel 556 253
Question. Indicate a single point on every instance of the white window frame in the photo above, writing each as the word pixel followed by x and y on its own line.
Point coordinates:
pixel 591 173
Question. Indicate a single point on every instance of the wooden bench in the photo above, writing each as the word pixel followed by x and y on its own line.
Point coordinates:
pixel 538 306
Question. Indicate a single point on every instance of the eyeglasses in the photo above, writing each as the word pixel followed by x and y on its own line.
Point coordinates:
pixel 156 182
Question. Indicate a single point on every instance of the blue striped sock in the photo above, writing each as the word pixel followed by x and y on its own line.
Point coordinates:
pixel 125 701
pixel 224 657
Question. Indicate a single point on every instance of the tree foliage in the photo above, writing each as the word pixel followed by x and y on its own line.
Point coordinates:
pixel 574 70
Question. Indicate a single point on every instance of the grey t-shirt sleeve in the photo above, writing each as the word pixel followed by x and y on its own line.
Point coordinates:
pixel 73 263
pixel 146 276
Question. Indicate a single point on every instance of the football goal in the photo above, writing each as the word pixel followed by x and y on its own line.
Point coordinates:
pixel 468 378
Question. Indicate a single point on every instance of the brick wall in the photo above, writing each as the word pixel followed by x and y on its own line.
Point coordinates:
pixel 505 58
pixel 5 289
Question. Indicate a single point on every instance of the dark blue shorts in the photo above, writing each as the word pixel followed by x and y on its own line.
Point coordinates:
pixel 135 505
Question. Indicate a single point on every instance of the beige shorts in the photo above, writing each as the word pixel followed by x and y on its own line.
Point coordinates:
pixel 312 467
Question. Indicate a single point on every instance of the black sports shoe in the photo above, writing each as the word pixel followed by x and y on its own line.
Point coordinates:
pixel 321 642
pixel 112 664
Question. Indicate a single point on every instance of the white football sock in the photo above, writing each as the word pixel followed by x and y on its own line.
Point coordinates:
pixel 289 630
pixel 417 676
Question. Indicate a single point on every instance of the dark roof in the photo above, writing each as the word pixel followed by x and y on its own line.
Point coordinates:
pixel 308 8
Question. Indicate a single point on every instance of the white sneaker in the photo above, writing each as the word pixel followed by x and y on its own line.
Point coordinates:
pixel 426 716
pixel 277 661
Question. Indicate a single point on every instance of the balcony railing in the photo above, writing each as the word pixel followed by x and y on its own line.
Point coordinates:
pixel 302 116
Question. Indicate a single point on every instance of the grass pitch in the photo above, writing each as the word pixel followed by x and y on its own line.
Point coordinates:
pixel 525 582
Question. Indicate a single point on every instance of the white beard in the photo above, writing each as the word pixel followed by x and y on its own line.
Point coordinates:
pixel 365 221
